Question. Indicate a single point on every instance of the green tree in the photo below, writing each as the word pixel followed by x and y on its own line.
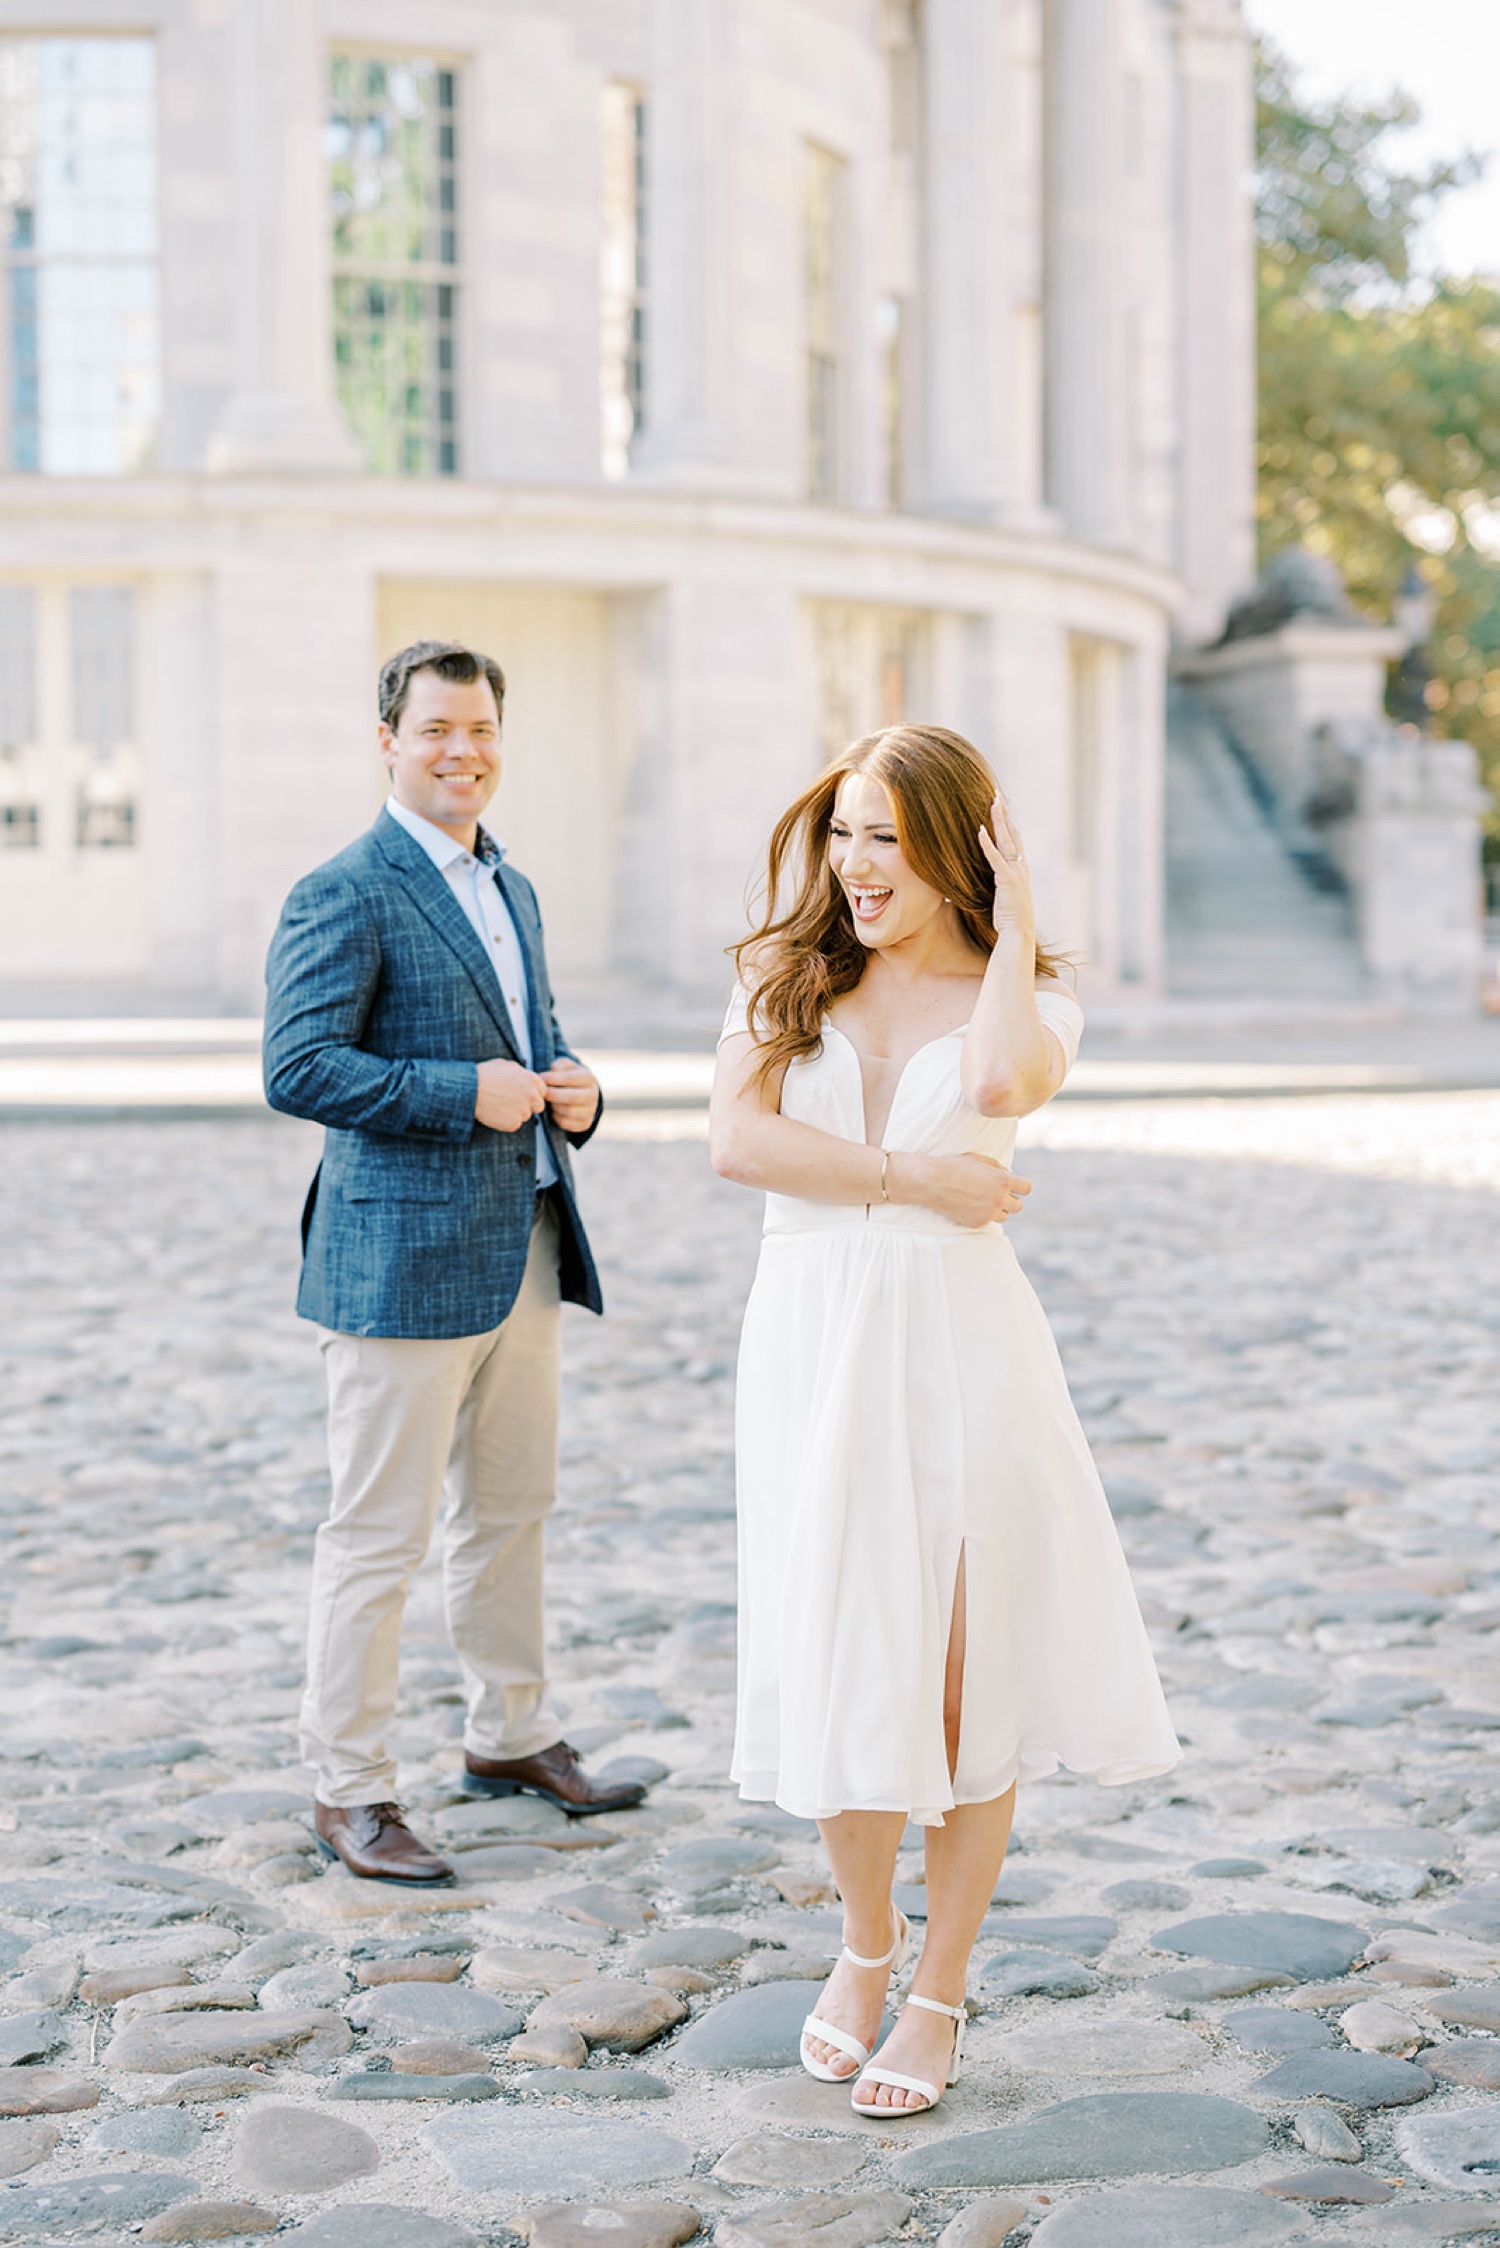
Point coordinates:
pixel 1379 439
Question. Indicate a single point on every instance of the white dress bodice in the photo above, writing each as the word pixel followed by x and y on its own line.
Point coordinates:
pixel 930 1115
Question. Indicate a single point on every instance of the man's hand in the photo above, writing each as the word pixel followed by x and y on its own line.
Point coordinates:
pixel 508 1095
pixel 572 1095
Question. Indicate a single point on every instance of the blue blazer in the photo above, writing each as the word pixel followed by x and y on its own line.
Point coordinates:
pixel 380 1003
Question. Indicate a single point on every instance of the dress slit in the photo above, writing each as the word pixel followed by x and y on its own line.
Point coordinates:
pixel 954 1741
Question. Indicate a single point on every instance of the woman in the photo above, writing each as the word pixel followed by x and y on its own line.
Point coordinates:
pixel 933 1600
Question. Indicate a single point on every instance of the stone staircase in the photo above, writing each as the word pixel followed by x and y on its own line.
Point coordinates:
pixel 1244 918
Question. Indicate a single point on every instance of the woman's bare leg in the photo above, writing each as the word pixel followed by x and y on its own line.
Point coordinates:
pixel 964 1857
pixel 861 1848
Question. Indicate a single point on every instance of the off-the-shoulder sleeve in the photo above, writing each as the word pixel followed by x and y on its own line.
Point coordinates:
pixel 1062 1015
pixel 736 1014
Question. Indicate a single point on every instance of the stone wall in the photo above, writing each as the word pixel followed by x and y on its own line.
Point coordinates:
pixel 1032 185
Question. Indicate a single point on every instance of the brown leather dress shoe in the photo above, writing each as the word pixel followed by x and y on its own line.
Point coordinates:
pixel 555 1774
pixel 374 1841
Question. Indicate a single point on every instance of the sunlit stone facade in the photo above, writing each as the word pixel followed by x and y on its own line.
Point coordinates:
pixel 741 373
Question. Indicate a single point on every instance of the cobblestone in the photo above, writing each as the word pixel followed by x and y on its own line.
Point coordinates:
pixel 1280 1319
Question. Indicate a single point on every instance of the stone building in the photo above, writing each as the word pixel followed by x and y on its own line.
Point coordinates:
pixel 742 373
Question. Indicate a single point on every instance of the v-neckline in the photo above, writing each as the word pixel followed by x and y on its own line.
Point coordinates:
pixel 916 1053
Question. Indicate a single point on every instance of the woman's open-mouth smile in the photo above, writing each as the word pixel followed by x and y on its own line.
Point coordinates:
pixel 869 903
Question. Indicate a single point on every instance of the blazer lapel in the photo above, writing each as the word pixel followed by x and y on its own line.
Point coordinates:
pixel 429 890
pixel 538 1017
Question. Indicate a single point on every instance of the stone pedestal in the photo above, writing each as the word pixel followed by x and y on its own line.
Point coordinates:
pixel 1409 846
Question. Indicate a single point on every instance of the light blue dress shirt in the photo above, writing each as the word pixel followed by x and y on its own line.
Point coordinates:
pixel 477 891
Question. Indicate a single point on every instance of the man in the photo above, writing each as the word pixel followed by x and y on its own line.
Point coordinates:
pixel 409 1012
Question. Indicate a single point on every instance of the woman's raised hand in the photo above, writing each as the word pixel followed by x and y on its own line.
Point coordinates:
pixel 1013 903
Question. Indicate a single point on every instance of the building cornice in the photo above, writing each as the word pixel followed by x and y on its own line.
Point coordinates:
pixel 629 531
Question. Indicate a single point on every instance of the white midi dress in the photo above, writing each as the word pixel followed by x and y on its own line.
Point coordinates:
pixel 901 1403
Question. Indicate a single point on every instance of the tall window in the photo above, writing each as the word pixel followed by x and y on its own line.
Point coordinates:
pixel 822 229
pixel 80 326
pixel 393 181
pixel 622 277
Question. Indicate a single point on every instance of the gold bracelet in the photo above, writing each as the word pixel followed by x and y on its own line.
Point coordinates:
pixel 885 1164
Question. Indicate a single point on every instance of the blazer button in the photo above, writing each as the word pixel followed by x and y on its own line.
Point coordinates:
pixel 525 1160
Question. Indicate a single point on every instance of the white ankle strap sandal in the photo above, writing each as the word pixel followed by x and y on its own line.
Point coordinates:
pixel 828 2033
pixel 930 2093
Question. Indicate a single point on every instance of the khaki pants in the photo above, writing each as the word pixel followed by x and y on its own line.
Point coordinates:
pixel 471 1420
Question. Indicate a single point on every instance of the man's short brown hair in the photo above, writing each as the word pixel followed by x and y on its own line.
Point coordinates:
pixel 450 659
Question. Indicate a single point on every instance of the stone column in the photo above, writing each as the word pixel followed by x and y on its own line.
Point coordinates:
pixel 965 470
pixel 1216 313
pixel 1088 436
pixel 723 743
pixel 178 730
pixel 298 766
pixel 1140 840
pixel 281 417
pixel 1027 739
pixel 690 160
pixel 1025 237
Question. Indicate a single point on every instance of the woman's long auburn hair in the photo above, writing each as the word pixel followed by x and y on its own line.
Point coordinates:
pixel 799 961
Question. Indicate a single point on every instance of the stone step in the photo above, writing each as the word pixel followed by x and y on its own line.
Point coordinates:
pixel 1241 913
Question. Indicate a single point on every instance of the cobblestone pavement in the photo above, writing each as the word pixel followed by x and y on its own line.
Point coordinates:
pixel 1255 2002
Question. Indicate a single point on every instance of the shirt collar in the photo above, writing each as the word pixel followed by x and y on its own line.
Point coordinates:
pixel 440 846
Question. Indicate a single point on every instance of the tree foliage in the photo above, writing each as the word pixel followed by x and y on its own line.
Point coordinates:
pixel 1379 433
